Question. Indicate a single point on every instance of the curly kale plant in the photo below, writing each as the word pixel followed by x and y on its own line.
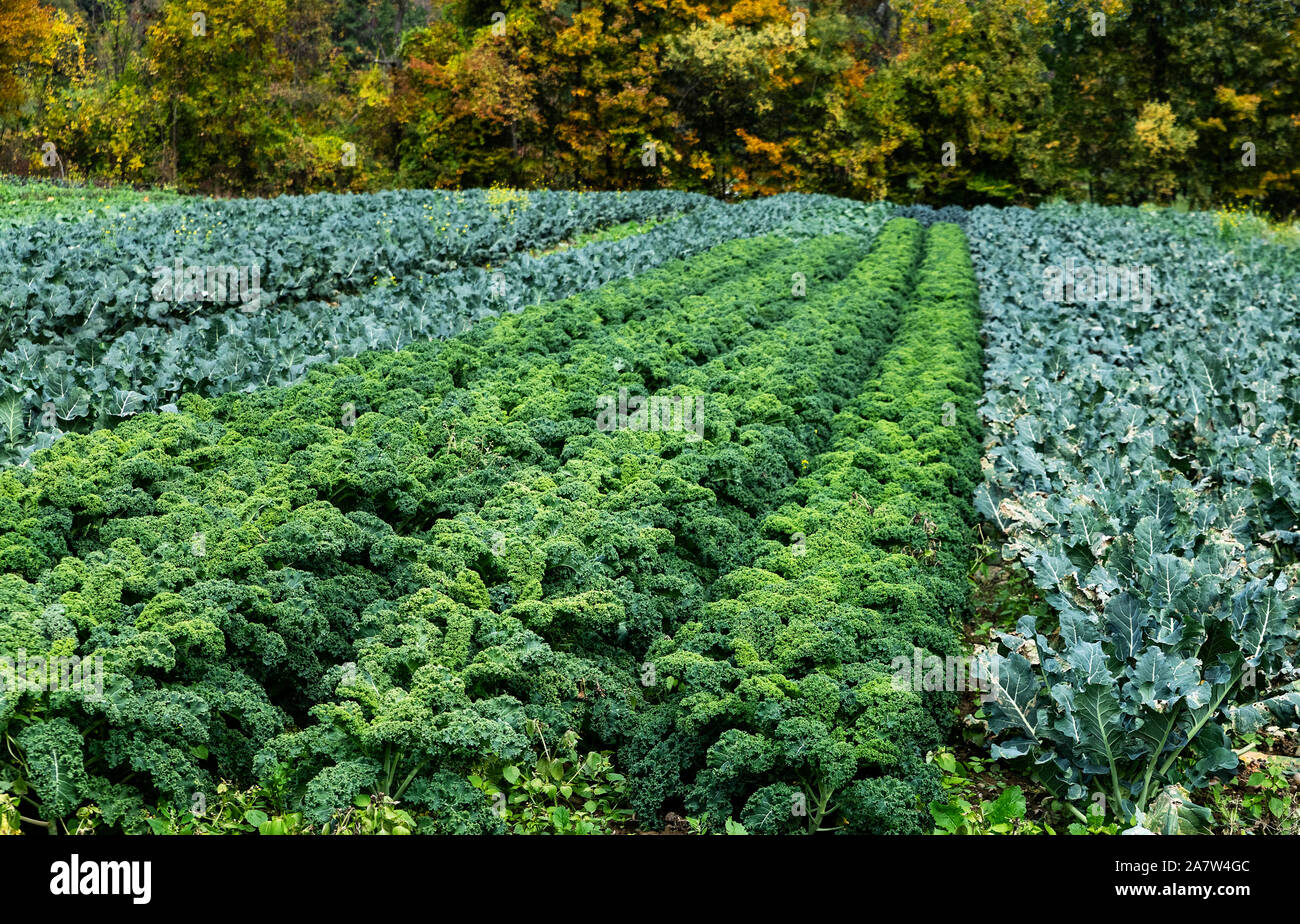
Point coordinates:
pixel 783 685
pixel 401 572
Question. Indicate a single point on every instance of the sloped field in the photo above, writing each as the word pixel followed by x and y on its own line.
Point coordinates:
pixel 627 516
pixel 572 513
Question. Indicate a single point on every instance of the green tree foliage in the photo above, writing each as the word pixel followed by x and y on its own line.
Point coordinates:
pixel 210 77
pixel 944 103
pixel 1162 103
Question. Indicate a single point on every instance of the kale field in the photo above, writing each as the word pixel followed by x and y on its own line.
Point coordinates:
pixel 493 511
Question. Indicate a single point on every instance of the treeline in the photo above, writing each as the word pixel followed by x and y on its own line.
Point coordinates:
pixel 942 101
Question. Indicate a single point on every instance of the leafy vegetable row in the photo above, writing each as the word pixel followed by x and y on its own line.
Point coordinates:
pixel 99 274
pixel 65 375
pixel 1142 465
pixel 239 562
pixel 786 687
pixel 600 556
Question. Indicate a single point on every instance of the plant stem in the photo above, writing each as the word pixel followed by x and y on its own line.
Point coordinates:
pixel 1146 782
pixel 1210 711
pixel 407 782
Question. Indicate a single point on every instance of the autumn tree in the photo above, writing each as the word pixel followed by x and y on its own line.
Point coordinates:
pixel 551 93
pixel 27 30
pixel 37 44
pixel 750 83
